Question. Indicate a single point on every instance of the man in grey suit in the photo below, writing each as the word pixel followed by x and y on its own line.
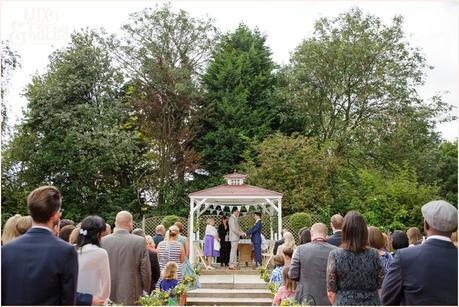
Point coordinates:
pixel 309 267
pixel 235 234
pixel 130 269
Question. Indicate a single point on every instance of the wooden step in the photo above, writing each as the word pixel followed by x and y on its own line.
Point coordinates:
pixel 230 293
pixel 223 301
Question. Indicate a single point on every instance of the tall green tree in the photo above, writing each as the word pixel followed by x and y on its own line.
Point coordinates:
pixel 238 105
pixel 163 54
pixel 9 61
pixel 73 136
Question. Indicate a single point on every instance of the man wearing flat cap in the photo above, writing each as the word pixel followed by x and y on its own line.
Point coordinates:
pixel 426 274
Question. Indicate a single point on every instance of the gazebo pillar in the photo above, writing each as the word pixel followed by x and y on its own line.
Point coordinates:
pixel 279 218
pixel 191 230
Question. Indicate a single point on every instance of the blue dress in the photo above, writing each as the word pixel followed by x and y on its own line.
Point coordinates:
pixel 168 284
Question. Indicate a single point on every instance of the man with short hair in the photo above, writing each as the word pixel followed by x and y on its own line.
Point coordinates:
pixel 309 268
pixel 130 269
pixel 336 223
pixel 426 274
pixel 160 231
pixel 255 231
pixel 235 234
pixel 38 268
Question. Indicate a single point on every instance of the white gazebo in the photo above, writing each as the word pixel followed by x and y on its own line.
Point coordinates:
pixel 235 192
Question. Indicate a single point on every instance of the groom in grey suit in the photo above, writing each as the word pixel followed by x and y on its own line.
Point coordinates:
pixel 235 234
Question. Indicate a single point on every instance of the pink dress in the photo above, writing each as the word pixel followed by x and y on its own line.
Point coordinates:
pixel 283 294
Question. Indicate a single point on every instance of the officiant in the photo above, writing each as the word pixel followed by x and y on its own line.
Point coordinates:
pixel 255 232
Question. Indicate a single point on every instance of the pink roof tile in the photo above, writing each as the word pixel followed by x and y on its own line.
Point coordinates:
pixel 235 190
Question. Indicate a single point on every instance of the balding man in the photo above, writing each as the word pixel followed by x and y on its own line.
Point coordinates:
pixel 129 262
pixel 309 267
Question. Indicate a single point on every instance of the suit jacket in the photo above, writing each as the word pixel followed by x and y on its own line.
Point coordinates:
pixel 255 231
pixel 425 274
pixel 38 268
pixel 309 267
pixel 335 239
pixel 155 271
pixel 130 269
pixel 234 229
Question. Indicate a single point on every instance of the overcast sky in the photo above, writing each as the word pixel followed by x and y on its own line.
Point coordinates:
pixel 36 28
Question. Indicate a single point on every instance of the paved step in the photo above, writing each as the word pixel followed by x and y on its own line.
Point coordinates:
pixel 230 293
pixel 222 301
pixel 226 271
pixel 231 282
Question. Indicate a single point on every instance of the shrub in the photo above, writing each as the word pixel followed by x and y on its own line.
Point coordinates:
pixel 169 220
pixel 298 221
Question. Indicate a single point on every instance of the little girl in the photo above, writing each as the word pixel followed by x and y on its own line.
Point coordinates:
pixel 287 291
pixel 211 243
pixel 169 281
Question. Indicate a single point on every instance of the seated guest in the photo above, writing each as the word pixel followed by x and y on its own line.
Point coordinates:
pixel 354 271
pixel 93 265
pixel 289 241
pixel 160 231
pixel 376 240
pixel 399 240
pixel 9 230
pixel 24 224
pixel 276 274
pixel 288 252
pixel 39 268
pixel 309 268
pixel 65 232
pixel 280 241
pixel 287 291
pixel 414 236
pixel 305 236
pixel 336 223
pixel 426 274
pixel 155 271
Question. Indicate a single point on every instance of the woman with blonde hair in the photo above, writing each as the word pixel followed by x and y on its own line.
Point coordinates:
pixel 289 241
pixel 23 224
pixel 9 230
pixel 171 250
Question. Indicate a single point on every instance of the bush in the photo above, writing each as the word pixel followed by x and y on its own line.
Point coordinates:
pixel 298 221
pixel 169 220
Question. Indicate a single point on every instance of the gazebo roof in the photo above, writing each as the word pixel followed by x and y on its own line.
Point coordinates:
pixel 243 190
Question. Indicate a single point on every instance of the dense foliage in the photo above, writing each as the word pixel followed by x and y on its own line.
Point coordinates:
pixel 139 120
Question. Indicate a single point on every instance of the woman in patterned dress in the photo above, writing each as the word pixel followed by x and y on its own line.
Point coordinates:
pixel 171 250
pixel 354 271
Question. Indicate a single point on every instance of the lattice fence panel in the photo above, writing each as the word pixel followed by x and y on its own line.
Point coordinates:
pixel 152 222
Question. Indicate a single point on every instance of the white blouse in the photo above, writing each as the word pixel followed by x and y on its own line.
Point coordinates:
pixel 211 231
pixel 93 271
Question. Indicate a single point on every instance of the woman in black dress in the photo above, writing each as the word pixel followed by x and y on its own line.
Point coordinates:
pixel 225 248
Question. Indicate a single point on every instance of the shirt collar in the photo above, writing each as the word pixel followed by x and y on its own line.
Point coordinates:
pixel 443 238
pixel 43 227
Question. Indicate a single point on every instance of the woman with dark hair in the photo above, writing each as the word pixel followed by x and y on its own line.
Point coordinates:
pixel 354 271
pixel 93 266
pixel 225 244
pixel 305 236
pixel 399 240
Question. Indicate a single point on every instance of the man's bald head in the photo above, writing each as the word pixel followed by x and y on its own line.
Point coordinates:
pixel 124 220
pixel 319 230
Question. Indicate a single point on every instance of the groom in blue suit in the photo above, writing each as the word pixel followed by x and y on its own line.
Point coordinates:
pixel 255 231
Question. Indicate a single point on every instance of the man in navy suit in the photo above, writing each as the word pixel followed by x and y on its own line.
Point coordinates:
pixel 426 274
pixel 255 231
pixel 39 268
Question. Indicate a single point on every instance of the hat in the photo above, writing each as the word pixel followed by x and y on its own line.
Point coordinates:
pixel 441 215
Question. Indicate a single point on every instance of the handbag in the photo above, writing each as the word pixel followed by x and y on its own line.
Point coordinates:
pixel 217 245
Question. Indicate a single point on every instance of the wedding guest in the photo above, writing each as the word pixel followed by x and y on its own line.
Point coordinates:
pixel 171 250
pixel 23 224
pixel 288 252
pixel 44 265
pixel 225 244
pixel 287 290
pixel 108 230
pixel 354 271
pixel 454 238
pixel 376 240
pixel 187 268
pixel 66 231
pixel 9 230
pixel 305 236
pixel 289 241
pixel 160 231
pixel 399 240
pixel 235 235
pixel 73 238
pixel 211 242
pixel 183 239
pixel 426 274
pixel 255 232
pixel 414 236
pixel 336 223
pixel 309 267
pixel 93 265
pixel 170 280
pixel 130 269
pixel 154 263
pixel 280 241
pixel 276 274
pixel 66 222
